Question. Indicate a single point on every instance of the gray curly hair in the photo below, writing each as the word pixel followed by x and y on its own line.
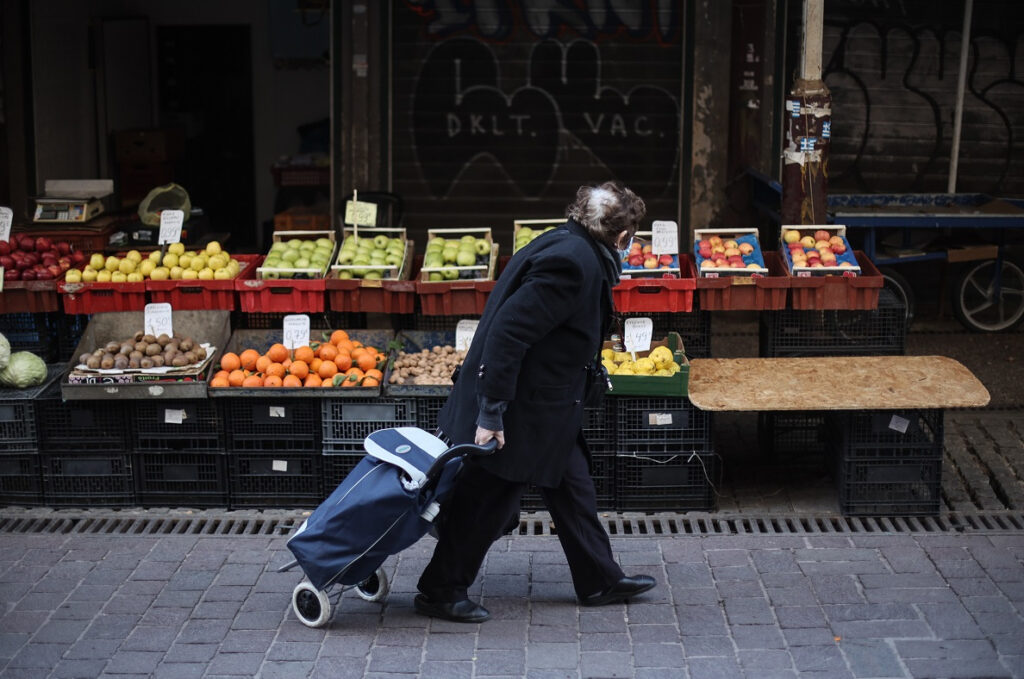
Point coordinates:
pixel 606 210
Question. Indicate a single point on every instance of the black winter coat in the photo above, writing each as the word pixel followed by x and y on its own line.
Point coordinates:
pixel 541 328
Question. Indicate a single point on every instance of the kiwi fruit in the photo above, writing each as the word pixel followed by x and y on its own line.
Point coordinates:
pixel 158 360
pixel 179 361
pixel 163 340
pixel 84 358
pixel 93 362
pixel 134 363
pixel 153 349
pixel 148 339
pixel 107 362
pixel 120 362
pixel 146 363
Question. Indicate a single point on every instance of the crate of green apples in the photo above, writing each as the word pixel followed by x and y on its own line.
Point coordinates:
pixel 298 255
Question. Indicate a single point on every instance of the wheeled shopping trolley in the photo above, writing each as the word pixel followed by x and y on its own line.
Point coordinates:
pixel 385 504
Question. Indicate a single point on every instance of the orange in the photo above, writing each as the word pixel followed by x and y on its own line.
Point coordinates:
pixel 286 363
pixel 366 362
pixel 369 382
pixel 328 384
pixel 236 377
pixel 277 352
pixel 354 371
pixel 372 350
pixel 356 344
pixel 219 381
pixel 343 361
pixel 357 352
pixel 222 373
pixel 349 382
pixel 375 374
pixel 304 354
pixel 299 368
pixel 327 352
pixel 262 362
pixel 314 365
pixel 327 369
pixel 275 370
pixel 249 358
pixel 272 381
pixel 312 381
pixel 291 381
pixel 253 381
pixel 230 361
pixel 337 336
pixel 345 346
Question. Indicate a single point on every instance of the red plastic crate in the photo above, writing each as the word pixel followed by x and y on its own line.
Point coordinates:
pixel 95 298
pixel 300 296
pixel 352 295
pixel 838 292
pixel 94 237
pixel 453 298
pixel 29 297
pixel 658 294
pixel 746 293
pixel 200 295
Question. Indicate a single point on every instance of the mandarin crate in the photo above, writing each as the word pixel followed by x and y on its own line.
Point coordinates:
pixel 602 471
pixel 746 293
pixel 413 342
pixel 96 297
pixel 29 297
pixel 31 332
pixel 660 425
pixel 840 291
pixel 196 294
pixel 166 426
pixel 271 425
pixel 275 479
pixel 794 333
pixel 19 415
pixel 891 486
pixel 181 479
pixel 673 482
pixel 82 425
pixel 347 422
pixel 869 434
pixel 21 482
pixel 87 479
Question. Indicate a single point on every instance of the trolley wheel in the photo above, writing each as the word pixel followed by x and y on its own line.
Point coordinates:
pixel 990 298
pixel 373 588
pixel 311 605
pixel 900 286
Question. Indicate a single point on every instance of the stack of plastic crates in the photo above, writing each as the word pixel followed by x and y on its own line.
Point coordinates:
pixel 273 450
pixel 179 453
pixel 85 455
pixel 666 460
pixel 878 332
pixel 889 463
pixel 21 481
pixel 33 332
pixel 346 422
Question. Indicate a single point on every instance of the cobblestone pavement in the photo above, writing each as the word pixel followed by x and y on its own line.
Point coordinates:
pixel 180 606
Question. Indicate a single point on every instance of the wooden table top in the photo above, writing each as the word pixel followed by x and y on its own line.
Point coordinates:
pixel 833 383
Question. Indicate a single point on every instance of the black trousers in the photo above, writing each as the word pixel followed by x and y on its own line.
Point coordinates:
pixel 478 512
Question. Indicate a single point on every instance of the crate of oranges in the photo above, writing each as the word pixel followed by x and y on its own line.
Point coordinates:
pixel 335 363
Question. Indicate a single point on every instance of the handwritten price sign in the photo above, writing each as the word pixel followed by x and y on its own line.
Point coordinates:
pixel 464 332
pixel 665 238
pixel 636 334
pixel 171 222
pixel 360 213
pixel 296 331
pixel 157 320
pixel 6 217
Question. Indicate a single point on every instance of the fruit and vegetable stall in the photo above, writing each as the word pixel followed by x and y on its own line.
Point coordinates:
pixel 197 377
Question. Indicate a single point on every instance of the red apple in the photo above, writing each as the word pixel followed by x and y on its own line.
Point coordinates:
pixel 26 243
pixel 636 260
pixel 43 244
pixel 77 256
pixel 28 275
pixel 665 259
pixel 63 247
pixel 6 261
pixel 5 248
pixel 650 263
pixel 11 274
pixel 822 234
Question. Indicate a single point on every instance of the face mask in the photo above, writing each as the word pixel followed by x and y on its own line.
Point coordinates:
pixel 624 253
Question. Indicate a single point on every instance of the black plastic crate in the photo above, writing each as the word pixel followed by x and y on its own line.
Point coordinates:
pixel 337 465
pixel 795 333
pixel 660 425
pixel 889 433
pixel 427 409
pixel 419 321
pixel 69 329
pixel 694 328
pixel 275 479
pixel 181 479
pixel 684 481
pixel 19 432
pixel 602 470
pixel 83 425
pixel 87 479
pixel 795 433
pixel 895 486
pixel 34 332
pixel 326 320
pixel 271 425
pixel 599 427
pixel 176 426
pixel 21 482
pixel 347 422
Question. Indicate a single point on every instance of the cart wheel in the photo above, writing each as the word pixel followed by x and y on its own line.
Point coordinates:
pixel 311 605
pixel 989 298
pixel 900 286
pixel 373 588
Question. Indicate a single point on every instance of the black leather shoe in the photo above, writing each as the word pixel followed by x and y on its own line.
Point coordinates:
pixel 456 611
pixel 626 588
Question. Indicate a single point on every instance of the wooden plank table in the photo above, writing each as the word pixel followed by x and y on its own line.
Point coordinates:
pixel 833 383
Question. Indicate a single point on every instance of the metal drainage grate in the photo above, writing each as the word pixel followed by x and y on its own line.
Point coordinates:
pixel 531 524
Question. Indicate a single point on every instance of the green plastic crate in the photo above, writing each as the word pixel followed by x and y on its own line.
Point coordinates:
pixel 646 385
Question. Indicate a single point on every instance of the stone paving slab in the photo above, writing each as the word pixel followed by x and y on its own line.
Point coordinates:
pixel 858 606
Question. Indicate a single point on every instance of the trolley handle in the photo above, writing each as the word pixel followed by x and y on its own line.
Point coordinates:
pixel 460 450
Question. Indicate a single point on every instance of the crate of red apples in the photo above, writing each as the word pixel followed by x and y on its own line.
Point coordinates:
pixel 31 267
pixel 812 250
pixel 728 252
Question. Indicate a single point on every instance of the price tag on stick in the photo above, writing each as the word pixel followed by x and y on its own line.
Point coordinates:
pixel 157 319
pixel 636 334
pixel 665 238
pixel 6 217
pixel 464 332
pixel 296 331
pixel 360 213
pixel 171 222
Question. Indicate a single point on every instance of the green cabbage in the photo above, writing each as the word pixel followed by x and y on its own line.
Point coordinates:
pixel 24 370
pixel 5 352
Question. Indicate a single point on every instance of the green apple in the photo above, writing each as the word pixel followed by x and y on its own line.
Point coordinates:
pixel 393 260
pixel 396 243
pixel 271 275
pixel 345 275
pixel 324 243
pixel 380 241
pixel 289 255
pixel 449 254
pixel 468 239
pixel 432 259
pixel 450 274
pixel 482 246
pixel 378 256
pixel 435 276
pixel 301 263
pixel 346 256
pixel 98 260
pixel 307 245
pixel 465 258
pixel 294 243
pixel 524 232
pixel 372 275
pixel 361 260
pixel 436 240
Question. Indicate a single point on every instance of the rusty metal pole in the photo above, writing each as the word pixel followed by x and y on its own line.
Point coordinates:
pixel 808 130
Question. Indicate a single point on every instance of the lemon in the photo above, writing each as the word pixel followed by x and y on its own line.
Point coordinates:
pixel 609 366
pixel 645 366
pixel 625 370
pixel 660 354
pixel 608 354
pixel 621 356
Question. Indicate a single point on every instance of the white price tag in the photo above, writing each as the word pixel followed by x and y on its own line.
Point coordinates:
pixel 296 331
pixel 276 411
pixel 899 424
pixel 1 279
pixel 357 213
pixel 170 226
pixel 464 332
pixel 665 238
pixel 174 416
pixel 636 334
pixel 157 319
pixel 659 419
pixel 279 465
pixel 6 217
